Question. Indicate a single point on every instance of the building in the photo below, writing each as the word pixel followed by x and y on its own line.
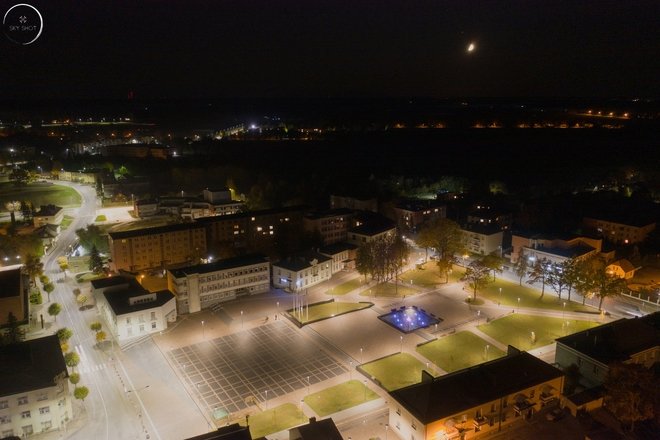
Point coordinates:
pixel 250 229
pixel 137 150
pixel 635 340
pixel 487 215
pixel 145 208
pixel 302 271
pixel 342 254
pixel 217 195
pixel 621 268
pixel 372 231
pixel 316 430
pixel 556 249
pixel 48 215
pixel 409 215
pixel 34 388
pixel 205 285
pixel 130 310
pixel 87 177
pixel 161 246
pixel 483 239
pixel 620 230
pixel 14 297
pixel 332 225
pixel 353 203
pixel 476 401
pixel 229 432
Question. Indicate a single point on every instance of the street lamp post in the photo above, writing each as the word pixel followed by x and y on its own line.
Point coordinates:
pixel 563 313
pixel 486 348
pixel 401 338
pixel 518 304
pixel 307 386
pixel 203 333
pixel 350 372
pixel 361 356
pixel 387 427
pixel 241 319
pixel 278 307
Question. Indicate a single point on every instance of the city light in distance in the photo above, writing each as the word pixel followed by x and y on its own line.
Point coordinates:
pixel 471 47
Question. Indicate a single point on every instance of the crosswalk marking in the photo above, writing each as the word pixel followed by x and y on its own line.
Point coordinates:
pixel 85 365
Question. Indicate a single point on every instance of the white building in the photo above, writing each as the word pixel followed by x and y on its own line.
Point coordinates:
pixel 368 232
pixel 302 271
pixel 34 389
pixel 48 215
pixel 483 239
pixel 130 310
pixel 342 254
pixel 204 285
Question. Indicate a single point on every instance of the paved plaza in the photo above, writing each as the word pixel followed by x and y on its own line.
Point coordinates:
pixel 252 366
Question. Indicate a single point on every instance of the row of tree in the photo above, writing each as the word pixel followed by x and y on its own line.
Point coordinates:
pixel 72 359
pixel 382 259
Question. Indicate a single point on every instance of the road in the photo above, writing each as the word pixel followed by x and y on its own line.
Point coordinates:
pixel 108 413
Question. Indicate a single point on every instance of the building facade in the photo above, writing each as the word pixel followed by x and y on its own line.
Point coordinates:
pixel 332 225
pixel 129 310
pixel 475 402
pixel 205 285
pixel 483 239
pixel 620 231
pixel 342 254
pixel 14 297
pixel 301 271
pixel 34 392
pixel 554 249
pixel 367 233
pixel 157 247
pixel 411 214
pixel 48 215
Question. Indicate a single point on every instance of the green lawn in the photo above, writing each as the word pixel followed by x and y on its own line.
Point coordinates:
pixel 275 420
pixel 78 264
pixel 328 310
pixel 101 218
pixel 66 222
pixel 340 397
pixel 529 297
pixel 458 351
pixel 389 290
pixel 40 194
pixel 346 287
pixel 89 276
pixel 395 371
pixel 427 275
pixel 516 329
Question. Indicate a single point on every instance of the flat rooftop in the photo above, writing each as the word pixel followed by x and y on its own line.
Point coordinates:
pixel 155 230
pixel 10 280
pixel 30 365
pixel 229 263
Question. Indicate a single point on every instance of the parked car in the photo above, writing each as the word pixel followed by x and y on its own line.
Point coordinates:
pixel 555 414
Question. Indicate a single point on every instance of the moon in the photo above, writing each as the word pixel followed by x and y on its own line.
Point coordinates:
pixel 471 47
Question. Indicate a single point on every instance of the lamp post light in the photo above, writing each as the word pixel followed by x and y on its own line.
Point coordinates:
pixel 518 304
pixel 278 307
pixel 486 348
pixel 387 427
pixel 350 371
pixel 307 386
pixel 401 338
pixel 563 313
pixel 361 356
pixel 365 390
pixel 203 333
pixel 241 319
pixel 266 401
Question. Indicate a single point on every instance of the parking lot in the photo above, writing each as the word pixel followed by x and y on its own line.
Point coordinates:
pixel 252 366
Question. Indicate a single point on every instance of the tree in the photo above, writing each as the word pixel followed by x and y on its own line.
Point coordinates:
pixel 12 207
pixel 630 393
pixel 33 267
pixel 64 346
pixel 49 287
pixel 54 310
pixel 95 326
pixel 364 260
pixel 570 272
pixel 74 378
pixel 521 267
pixel 43 279
pixel 425 239
pixel 100 337
pixel 539 272
pixel 64 265
pixel 444 266
pixel 494 263
pixel 71 359
pixel 14 334
pixel 92 236
pixel 95 261
pixel 607 285
pixel 446 237
pixel 82 299
pixel 556 278
pixel 477 276
pixel 27 210
pixel 80 393
pixel 64 334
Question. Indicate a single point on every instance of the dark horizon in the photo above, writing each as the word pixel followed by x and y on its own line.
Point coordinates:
pixel 336 49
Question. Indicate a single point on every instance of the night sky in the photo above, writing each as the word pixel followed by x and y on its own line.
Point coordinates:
pixel 320 48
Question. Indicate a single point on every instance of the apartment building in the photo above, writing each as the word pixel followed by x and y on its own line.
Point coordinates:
pixel 48 215
pixel 332 224
pixel 409 215
pixel 483 239
pixel 620 230
pixel 130 310
pixel 34 391
pixel 372 231
pixel 342 254
pixel 14 296
pixel 161 246
pixel 202 286
pixel 474 402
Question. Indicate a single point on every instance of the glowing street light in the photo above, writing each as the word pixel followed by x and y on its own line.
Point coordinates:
pixel 241 319
pixel 401 338
pixel 203 333
pixel 486 348
pixel 519 304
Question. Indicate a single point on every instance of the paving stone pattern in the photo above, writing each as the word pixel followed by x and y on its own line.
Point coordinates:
pixel 232 371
